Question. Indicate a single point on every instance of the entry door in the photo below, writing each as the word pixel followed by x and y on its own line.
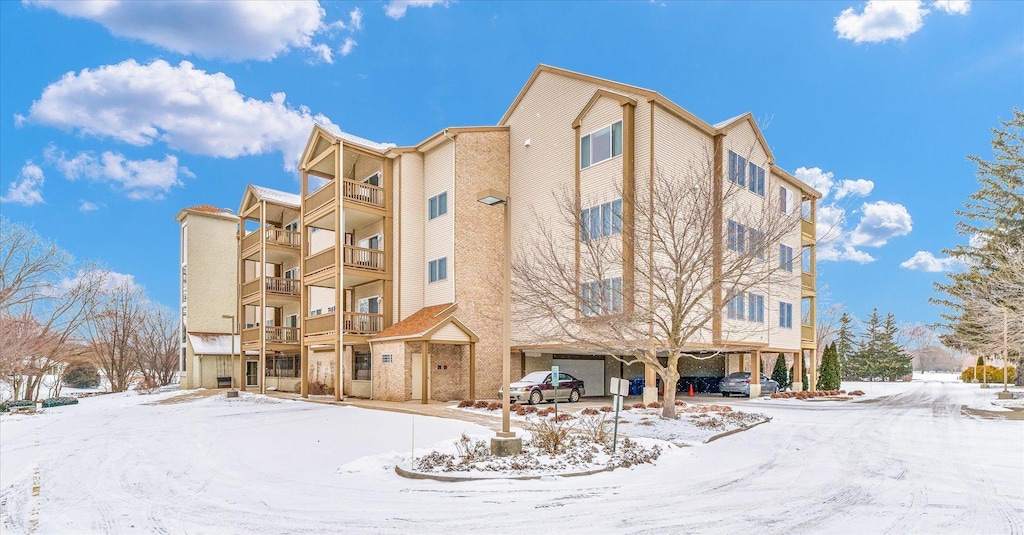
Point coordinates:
pixel 252 372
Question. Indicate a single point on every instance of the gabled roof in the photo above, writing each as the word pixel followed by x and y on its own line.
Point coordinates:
pixel 618 97
pixel 275 196
pixel 748 117
pixel 423 323
pixel 208 210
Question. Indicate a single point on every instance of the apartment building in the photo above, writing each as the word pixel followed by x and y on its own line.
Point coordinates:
pixel 381 278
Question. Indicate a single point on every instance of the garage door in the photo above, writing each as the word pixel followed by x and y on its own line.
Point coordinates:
pixel 590 371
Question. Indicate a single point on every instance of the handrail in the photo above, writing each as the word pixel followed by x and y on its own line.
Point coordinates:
pixel 320 261
pixel 362 323
pixel 364 258
pixel 320 197
pixel 363 192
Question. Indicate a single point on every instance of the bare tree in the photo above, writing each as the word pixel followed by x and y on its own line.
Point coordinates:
pixel 572 286
pixel 28 264
pixel 156 345
pixel 113 329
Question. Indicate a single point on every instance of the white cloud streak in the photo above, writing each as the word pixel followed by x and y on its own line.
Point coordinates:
pixel 880 221
pixel 881 20
pixel 88 206
pixel 926 261
pixel 396 9
pixel 138 179
pixel 953 7
pixel 27 189
pixel 859 187
pixel 235 31
pixel 186 108
pixel 347 46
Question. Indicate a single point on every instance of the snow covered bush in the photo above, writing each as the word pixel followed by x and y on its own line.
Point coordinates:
pixel 594 426
pixel 82 375
pixel 549 437
pixel 8 405
pixel 465 403
pixel 59 401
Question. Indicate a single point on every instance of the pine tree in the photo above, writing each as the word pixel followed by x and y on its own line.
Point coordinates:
pixel 863 363
pixel 779 374
pixel 893 360
pixel 830 376
pixel 845 345
pixel 807 382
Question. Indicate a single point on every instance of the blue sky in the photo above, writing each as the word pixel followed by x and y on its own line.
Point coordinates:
pixel 115 116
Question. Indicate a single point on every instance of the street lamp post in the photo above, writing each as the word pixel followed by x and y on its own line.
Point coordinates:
pixel 506 442
pixel 233 393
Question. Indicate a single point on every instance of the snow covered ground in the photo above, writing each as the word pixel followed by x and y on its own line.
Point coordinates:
pixel 902 460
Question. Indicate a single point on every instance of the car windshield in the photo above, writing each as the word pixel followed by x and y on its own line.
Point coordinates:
pixel 739 375
pixel 535 377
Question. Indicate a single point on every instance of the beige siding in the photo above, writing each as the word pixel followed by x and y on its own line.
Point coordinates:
pixel 438 235
pixel 213 271
pixel 450 333
pixel 411 219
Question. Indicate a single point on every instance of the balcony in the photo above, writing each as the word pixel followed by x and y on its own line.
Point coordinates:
pixel 807 228
pixel 807 280
pixel 319 198
pixel 363 193
pixel 807 333
pixel 363 258
pixel 322 324
pixel 272 334
pixel 319 262
pixel 361 323
pixel 274 285
pixel 274 235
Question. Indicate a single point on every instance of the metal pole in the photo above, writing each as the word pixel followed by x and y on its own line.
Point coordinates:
pixel 615 434
pixel 506 328
pixel 1006 352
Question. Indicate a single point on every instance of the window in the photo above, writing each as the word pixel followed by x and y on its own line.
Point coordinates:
pixel 737 237
pixel 737 169
pixel 602 220
pixel 755 310
pixel 330 309
pixel 387 358
pixel 373 180
pixel 756 182
pixel 601 145
pixel 293 226
pixel 601 297
pixel 438 269
pixel 756 240
pixel 786 315
pixel 292 273
pixel 784 200
pixel 735 306
pixel 786 257
pixel 283 366
pixel 361 366
pixel 439 205
pixel 316 312
pixel 291 320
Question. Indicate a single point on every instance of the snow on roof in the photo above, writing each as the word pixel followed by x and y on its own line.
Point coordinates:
pixel 209 210
pixel 213 343
pixel 275 196
pixel 345 136
pixel 728 121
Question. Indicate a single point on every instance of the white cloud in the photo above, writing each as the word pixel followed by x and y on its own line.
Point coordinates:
pixel 859 187
pixel 833 252
pixel 818 179
pixel 953 7
pixel 27 189
pixel 184 107
pixel 111 280
pixel 322 53
pixel 879 222
pixel 139 179
pixel 355 19
pixel 396 9
pixel 88 206
pixel 233 31
pixel 926 261
pixel 347 46
pixel 881 20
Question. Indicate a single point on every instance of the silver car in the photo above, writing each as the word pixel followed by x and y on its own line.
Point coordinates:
pixel 536 387
pixel 739 383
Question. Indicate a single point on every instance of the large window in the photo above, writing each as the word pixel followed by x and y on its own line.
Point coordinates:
pixel 756 179
pixel 735 306
pixel 785 200
pixel 746 174
pixel 438 205
pixel 602 220
pixel 755 311
pixel 786 257
pixel 786 315
pixel 601 297
pixel 755 240
pixel 737 237
pixel 438 269
pixel 283 366
pixel 601 145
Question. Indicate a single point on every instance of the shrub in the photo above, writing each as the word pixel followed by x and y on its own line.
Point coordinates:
pixel 59 401
pixel 493 406
pixel 564 417
pixel 830 370
pixel 779 373
pixel 594 426
pixel 465 403
pixel 530 409
pixel 606 408
pixel 550 437
pixel 589 411
pixel 481 404
pixel 82 375
pixel 470 450
pixel 520 410
pixel 680 403
pixel 8 405
pixel 857 393
pixel 655 405
pixel 545 411
pixel 320 389
pixel 991 374
pixel 638 406
pixel 146 386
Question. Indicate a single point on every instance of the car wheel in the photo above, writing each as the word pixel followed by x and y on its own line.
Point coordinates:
pixel 536 397
pixel 574 396
pixel 725 394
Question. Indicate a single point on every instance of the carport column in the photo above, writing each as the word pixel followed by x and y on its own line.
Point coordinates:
pixel 755 375
pixel 338 376
pixel 425 365
pixel 304 372
pixel 798 371
pixel 813 371
pixel 650 382
pixel 472 371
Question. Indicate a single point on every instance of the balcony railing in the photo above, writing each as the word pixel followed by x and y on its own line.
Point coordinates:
pixel 320 197
pixel 322 324
pixel 283 286
pixel 250 240
pixel 363 193
pixel 807 332
pixel 362 323
pixel 320 261
pixel 273 334
pixel 275 235
pixel 807 280
pixel 363 258
pixel 807 227
pixel 250 287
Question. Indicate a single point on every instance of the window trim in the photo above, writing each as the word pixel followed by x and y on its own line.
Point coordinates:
pixel 785 315
pixel 588 162
pixel 434 206
pixel 434 270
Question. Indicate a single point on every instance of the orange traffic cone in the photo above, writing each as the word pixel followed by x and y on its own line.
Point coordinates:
pixel 691 390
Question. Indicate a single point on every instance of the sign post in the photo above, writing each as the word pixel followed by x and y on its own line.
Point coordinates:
pixel 554 383
pixel 620 389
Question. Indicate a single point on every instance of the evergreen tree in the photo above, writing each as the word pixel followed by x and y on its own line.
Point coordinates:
pixel 893 360
pixel 830 376
pixel 981 361
pixel 807 382
pixel 845 344
pixel 779 374
pixel 864 361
